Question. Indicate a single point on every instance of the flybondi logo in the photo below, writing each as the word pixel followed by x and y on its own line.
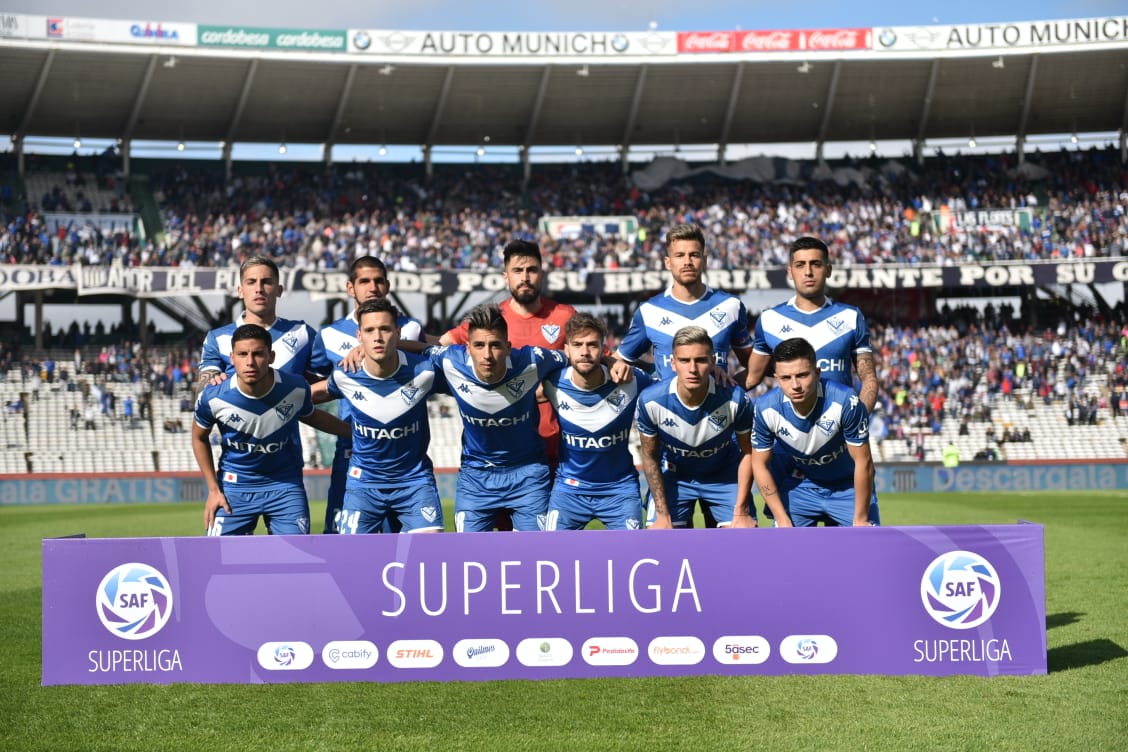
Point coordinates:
pixel 960 589
pixel 676 651
pixel 134 601
pixel 486 653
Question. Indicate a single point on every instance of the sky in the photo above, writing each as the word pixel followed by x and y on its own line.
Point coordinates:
pixel 574 15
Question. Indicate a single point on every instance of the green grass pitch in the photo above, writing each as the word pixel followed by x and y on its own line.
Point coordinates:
pixel 1082 704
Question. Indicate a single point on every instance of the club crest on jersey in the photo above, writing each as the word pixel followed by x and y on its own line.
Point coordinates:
pixel 826 425
pixel 290 340
pixel 430 514
pixel 718 317
pixel 284 410
pixel 617 400
pixel 409 393
pixel 836 323
pixel 551 332
pixel 516 387
pixel 719 418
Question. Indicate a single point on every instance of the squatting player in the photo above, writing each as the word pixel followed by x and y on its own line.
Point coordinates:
pixel 822 426
pixel 389 472
pixel 596 478
pixel 503 466
pixel 695 437
pixel 260 466
pixel 368 280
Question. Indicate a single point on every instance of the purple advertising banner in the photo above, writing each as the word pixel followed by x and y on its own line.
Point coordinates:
pixel 478 606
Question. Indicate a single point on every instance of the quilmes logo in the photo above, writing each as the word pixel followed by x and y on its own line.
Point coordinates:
pixel 732 650
pixel 414 654
pixel 808 649
pixel 960 589
pixel 285 656
pixel 676 651
pixel 485 653
pixel 134 601
pixel 544 651
pixel 609 651
pixel 350 654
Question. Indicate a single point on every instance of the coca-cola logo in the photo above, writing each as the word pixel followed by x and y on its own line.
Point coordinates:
pixel 763 41
pixel 836 39
pixel 706 41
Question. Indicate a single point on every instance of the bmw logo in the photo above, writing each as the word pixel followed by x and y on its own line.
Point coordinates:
pixel 361 40
pixel 887 38
pixel 620 43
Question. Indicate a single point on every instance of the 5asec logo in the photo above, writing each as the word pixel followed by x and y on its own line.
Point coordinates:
pixel 960 589
pixel 134 601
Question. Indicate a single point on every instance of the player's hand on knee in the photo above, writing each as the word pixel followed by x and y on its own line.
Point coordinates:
pixel 216 501
pixel 661 522
pixel 743 520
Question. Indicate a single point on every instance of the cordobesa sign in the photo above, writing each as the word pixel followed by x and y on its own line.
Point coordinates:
pixel 154 282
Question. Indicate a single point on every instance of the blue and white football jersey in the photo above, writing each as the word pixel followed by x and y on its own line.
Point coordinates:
pixel 657 320
pixel 698 443
pixel 391 431
pixel 258 435
pixel 816 444
pixel 595 430
pixel 292 346
pixel 499 421
pixel 837 332
pixel 334 341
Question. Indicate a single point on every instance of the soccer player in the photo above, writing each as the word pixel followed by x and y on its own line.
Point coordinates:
pixel 695 437
pixel 687 302
pixel 503 466
pixel 837 331
pixel 822 426
pixel 368 280
pixel 532 320
pixel 596 478
pixel 260 466
pixel 389 472
pixel 259 288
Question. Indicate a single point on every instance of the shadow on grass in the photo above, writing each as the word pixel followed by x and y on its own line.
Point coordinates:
pixel 1063 619
pixel 1091 653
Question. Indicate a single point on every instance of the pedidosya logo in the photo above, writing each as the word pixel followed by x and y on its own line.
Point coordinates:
pixel 960 589
pixel 134 601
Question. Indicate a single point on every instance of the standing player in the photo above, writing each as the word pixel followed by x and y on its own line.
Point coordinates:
pixel 503 467
pixel 687 302
pixel 259 288
pixel 596 478
pixel 389 472
pixel 533 321
pixel 695 437
pixel 257 412
pixel 822 426
pixel 837 332
pixel 368 280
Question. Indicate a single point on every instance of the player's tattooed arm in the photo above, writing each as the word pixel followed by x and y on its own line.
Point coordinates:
pixel 210 376
pixel 867 372
pixel 651 450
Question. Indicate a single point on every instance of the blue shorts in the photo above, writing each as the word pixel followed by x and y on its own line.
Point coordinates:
pixel 481 494
pixel 569 509
pixel 367 509
pixel 284 507
pixel 808 504
pixel 338 482
pixel 682 495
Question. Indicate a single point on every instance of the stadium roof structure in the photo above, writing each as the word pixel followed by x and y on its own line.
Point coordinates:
pixel 189 82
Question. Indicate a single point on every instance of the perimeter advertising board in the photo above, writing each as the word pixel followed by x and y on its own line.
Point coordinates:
pixel 477 606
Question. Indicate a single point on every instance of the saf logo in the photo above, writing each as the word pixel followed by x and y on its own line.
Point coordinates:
pixel 853 401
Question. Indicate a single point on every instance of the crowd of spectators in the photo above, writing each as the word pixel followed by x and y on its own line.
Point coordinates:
pixel 461 217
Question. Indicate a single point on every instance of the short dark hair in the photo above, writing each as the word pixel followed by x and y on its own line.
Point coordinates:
pixel 692 335
pixel 685 232
pixel 522 248
pixel 377 305
pixel 795 348
pixel 580 321
pixel 252 331
pixel 488 316
pixel 259 261
pixel 806 243
pixel 366 262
